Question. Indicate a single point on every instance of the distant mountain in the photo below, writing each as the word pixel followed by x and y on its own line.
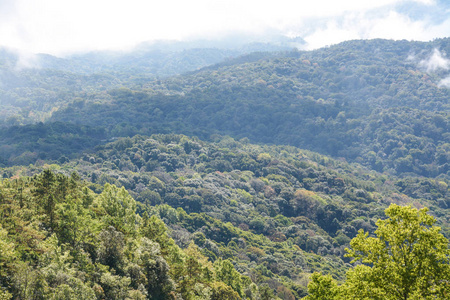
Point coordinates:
pixel 164 58
pixel 40 83
pixel 266 164
pixel 381 103
pixel 154 59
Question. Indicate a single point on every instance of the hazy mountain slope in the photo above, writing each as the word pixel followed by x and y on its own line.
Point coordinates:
pixel 32 86
pixel 31 95
pixel 22 145
pixel 381 103
pixel 160 59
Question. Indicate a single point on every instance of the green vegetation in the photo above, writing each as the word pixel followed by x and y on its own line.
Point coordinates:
pixel 409 259
pixel 122 185
pixel 61 241
pixel 32 88
pixel 386 111
pixel 277 212
pixel 56 141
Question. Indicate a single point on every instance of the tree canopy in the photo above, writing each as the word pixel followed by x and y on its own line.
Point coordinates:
pixel 408 259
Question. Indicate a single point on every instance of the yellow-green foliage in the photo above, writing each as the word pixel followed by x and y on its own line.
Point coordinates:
pixel 86 246
pixel 408 259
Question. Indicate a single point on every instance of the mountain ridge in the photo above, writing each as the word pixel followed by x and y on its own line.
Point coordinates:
pixel 263 166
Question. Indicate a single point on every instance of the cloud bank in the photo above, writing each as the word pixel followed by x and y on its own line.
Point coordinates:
pixel 57 27
pixel 445 82
pixel 435 62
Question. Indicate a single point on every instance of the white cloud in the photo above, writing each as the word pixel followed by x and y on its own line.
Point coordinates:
pixel 384 23
pixel 396 26
pixel 426 2
pixel 445 82
pixel 58 26
pixel 332 33
pixel 435 62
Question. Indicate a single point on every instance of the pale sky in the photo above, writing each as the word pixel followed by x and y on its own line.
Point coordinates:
pixel 64 26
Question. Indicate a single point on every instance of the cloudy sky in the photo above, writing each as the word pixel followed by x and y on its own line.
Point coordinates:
pixel 64 26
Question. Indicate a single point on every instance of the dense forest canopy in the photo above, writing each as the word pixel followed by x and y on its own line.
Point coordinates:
pixel 409 259
pixel 61 241
pixel 278 212
pixel 380 103
pixel 219 173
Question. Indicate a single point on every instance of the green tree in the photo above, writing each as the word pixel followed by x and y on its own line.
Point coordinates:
pixel 7 256
pixel 221 291
pixel 120 208
pixel 156 270
pixel 266 292
pixel 4 295
pixel 409 259
pixel 45 195
pixel 110 252
pixel 321 287
pixel 226 273
pixel 155 229
pixel 114 286
pixel 193 271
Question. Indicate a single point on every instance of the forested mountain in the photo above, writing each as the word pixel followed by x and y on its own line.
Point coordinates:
pixel 260 167
pixel 380 103
pixel 61 241
pixel 277 213
pixel 161 59
pixel 32 86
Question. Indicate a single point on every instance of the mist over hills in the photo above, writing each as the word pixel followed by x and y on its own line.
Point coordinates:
pixel 156 59
pixel 373 102
pixel 42 82
pixel 263 165
pixel 380 103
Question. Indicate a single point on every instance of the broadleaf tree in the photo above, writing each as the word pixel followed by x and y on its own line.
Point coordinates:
pixel 408 259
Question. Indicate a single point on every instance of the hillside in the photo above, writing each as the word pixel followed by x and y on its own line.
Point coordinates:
pixel 263 166
pixel 58 240
pixel 277 212
pixel 388 111
pixel 32 86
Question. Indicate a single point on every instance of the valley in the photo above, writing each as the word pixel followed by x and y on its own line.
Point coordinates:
pixel 234 173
